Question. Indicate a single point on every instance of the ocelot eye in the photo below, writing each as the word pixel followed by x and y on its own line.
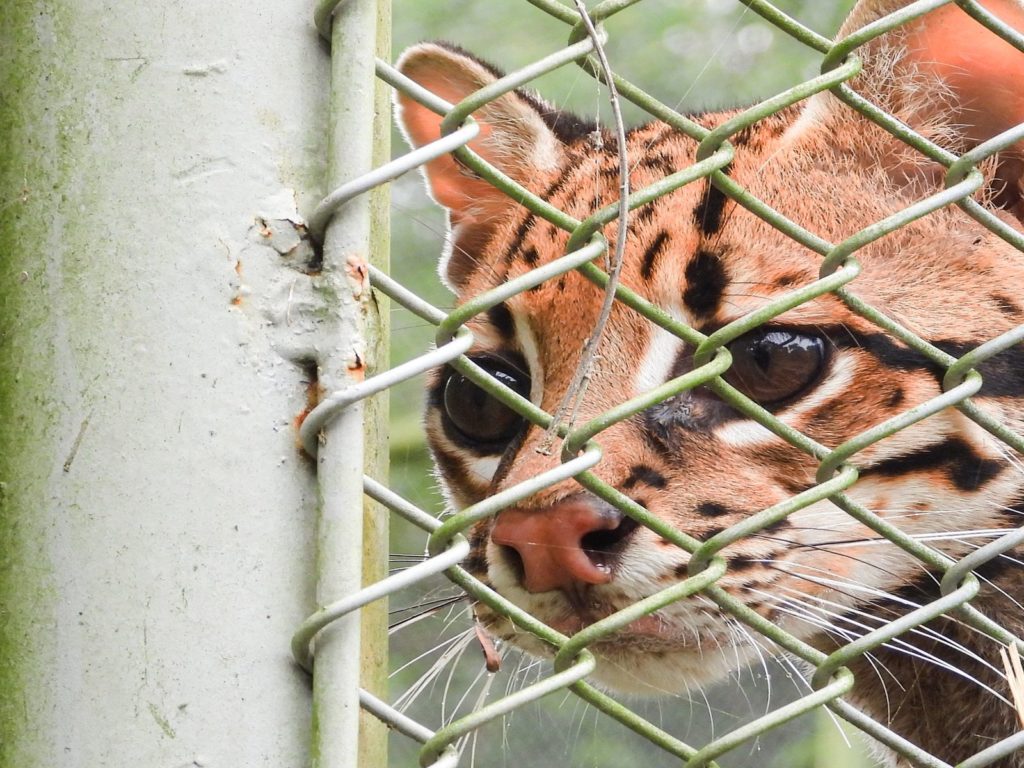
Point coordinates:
pixel 478 417
pixel 770 366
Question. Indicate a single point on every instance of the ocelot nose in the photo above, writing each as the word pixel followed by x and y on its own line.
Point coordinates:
pixel 575 542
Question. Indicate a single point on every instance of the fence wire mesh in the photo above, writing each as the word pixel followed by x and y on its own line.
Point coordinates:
pixel 581 448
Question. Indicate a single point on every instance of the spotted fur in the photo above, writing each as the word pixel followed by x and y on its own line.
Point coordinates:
pixel 698 464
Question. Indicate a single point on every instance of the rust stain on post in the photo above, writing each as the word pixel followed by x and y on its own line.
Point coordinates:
pixel 357 367
pixel 358 273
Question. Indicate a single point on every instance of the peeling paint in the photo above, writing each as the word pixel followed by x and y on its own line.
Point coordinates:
pixel 357 367
pixel 357 270
pixel 218 67
pixel 279 225
pixel 289 238
pixel 314 392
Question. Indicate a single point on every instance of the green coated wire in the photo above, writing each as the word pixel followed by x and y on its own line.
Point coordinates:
pixel 837 465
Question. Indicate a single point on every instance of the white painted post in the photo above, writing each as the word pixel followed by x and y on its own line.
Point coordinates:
pixel 156 516
pixel 348 244
pixel 340 457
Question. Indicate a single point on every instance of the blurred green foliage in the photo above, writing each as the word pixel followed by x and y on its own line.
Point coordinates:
pixel 697 55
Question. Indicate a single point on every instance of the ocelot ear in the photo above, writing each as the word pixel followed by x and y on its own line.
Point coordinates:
pixel 514 137
pixel 944 75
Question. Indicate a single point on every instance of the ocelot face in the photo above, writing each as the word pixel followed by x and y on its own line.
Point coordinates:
pixel 695 461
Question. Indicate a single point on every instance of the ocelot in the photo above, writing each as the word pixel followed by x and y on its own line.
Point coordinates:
pixel 694 461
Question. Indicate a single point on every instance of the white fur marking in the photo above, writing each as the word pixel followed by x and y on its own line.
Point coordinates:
pixel 528 345
pixel 656 366
pixel 743 434
pixel 834 385
pixel 484 467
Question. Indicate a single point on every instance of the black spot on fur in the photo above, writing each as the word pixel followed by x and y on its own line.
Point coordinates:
pixel 1003 374
pixel 501 319
pixel 557 186
pixel 740 562
pixel 711 509
pixel 778 525
pixel 643 214
pixel 787 280
pixel 712 531
pixel 896 398
pixel 530 256
pixel 708 213
pixel 965 469
pixel 705 282
pixel 568 127
pixel 521 232
pixel 646 475
pixel 658 162
pixel 651 254
pixel 743 136
pixel 754 136
pixel 1005 304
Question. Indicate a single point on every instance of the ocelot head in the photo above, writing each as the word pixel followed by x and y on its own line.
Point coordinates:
pixel 700 460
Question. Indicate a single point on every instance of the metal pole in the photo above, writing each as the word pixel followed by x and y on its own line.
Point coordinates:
pixel 340 458
pixel 155 514
pixel 373 734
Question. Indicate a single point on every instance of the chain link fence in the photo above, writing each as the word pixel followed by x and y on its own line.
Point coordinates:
pixel 447 543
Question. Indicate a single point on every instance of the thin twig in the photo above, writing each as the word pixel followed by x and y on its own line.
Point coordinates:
pixel 1015 677
pixel 574 393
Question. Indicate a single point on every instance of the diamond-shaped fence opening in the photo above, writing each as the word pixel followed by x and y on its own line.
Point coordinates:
pixel 450 735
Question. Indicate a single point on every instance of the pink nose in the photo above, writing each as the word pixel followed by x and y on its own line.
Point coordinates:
pixel 565 545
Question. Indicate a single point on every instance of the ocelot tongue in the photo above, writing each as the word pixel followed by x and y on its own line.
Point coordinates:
pixel 550 544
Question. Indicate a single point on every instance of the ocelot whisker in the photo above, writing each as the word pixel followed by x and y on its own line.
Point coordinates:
pixel 924 631
pixel 827 548
pixel 422 610
pixel 747 636
pixel 453 649
pixel 801 612
pixel 904 646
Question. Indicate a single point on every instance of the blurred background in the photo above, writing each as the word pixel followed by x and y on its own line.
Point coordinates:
pixel 697 55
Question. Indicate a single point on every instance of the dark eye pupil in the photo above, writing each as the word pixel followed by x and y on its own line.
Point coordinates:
pixel 478 416
pixel 761 355
pixel 775 365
